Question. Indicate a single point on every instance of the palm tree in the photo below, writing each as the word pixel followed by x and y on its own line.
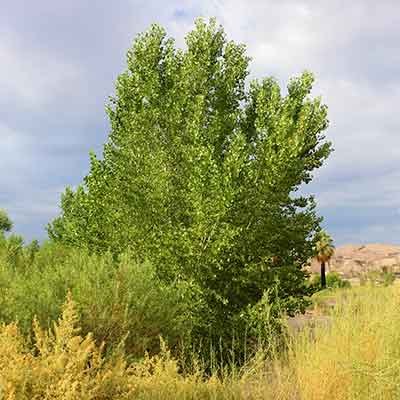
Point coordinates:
pixel 324 250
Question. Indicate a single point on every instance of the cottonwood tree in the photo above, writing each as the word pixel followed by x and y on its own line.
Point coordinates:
pixel 200 171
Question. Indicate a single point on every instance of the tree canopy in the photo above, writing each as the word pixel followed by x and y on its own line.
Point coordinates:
pixel 200 171
pixel 5 222
pixel 324 250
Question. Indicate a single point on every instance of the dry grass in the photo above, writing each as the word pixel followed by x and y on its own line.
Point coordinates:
pixel 356 356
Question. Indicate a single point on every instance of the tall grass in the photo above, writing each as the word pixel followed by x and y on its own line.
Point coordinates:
pixel 356 355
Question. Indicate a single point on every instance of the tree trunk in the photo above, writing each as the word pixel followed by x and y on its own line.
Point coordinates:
pixel 323 277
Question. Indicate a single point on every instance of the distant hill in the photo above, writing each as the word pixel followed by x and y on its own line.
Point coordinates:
pixel 351 260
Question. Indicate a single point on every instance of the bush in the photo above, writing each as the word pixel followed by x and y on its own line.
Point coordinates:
pixel 127 301
pixel 115 300
pixel 388 278
pixel 130 299
pixel 63 365
pixel 333 281
pixel 68 365
pixel 15 253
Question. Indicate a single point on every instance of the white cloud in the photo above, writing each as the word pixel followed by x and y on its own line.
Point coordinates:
pixel 381 191
pixel 33 77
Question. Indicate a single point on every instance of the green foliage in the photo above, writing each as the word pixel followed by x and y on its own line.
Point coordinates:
pixel 32 249
pixel 198 175
pixel 14 253
pixel 388 278
pixel 5 222
pixel 324 248
pixel 323 252
pixel 333 281
pixel 115 300
pixel 12 250
pixel 15 246
pixel 315 282
pixel 264 321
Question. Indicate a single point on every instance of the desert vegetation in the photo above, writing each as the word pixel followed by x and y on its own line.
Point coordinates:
pixel 61 337
pixel 175 267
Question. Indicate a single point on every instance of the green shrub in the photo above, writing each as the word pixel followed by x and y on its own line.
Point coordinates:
pixel 130 299
pixel 315 282
pixel 116 300
pixel 333 281
pixel 388 278
pixel 127 301
pixel 14 253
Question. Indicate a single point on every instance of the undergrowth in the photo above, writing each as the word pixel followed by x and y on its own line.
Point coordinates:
pixel 353 355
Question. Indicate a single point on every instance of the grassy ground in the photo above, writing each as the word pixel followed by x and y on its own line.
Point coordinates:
pixel 354 354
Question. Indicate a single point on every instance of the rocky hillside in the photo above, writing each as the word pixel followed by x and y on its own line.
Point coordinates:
pixel 351 260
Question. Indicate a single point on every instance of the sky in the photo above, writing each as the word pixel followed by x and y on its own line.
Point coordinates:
pixel 59 62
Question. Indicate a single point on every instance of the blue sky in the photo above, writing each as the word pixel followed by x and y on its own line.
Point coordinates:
pixel 59 61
